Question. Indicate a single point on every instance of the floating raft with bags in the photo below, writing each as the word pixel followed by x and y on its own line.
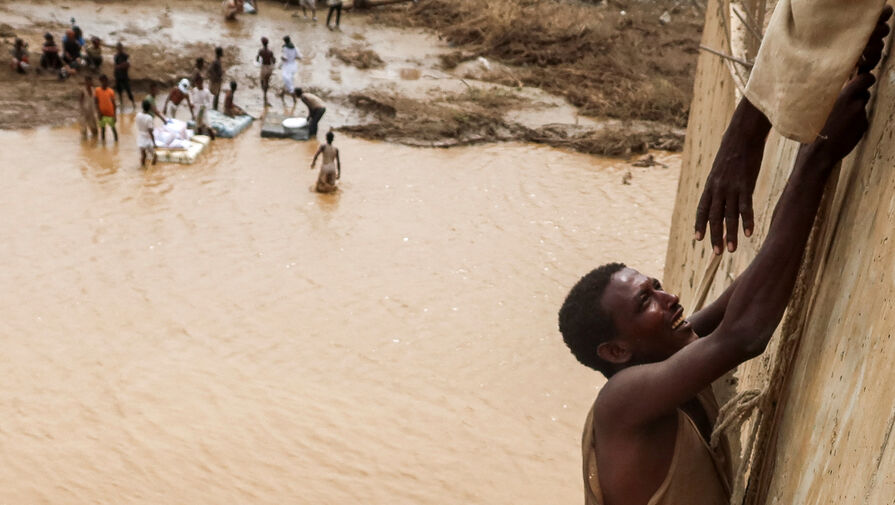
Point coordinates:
pixel 197 144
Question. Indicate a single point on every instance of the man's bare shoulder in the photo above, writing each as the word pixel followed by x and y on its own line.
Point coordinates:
pixel 617 406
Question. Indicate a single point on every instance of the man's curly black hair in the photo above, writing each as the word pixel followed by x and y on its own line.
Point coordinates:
pixel 583 321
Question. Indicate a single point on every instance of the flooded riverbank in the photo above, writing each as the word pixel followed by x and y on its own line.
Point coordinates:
pixel 218 333
pixel 408 97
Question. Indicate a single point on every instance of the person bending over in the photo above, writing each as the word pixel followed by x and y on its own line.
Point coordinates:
pixel 646 437
pixel 315 109
pixel 176 96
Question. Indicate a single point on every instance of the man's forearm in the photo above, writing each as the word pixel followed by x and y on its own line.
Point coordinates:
pixel 748 123
pixel 764 289
pixel 706 320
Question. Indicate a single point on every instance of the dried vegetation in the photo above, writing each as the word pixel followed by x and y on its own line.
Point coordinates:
pixel 478 115
pixel 615 59
pixel 357 56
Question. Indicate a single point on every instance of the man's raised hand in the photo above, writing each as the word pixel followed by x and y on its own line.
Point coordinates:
pixel 848 120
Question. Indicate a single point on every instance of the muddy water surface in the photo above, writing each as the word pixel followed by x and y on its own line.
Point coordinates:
pixel 217 333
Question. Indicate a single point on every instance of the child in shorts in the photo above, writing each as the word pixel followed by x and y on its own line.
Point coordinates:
pixel 145 138
pixel 105 104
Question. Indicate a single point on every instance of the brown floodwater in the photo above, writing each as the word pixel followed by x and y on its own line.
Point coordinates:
pixel 218 333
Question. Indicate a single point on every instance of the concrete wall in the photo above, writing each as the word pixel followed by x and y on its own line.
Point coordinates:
pixel 826 425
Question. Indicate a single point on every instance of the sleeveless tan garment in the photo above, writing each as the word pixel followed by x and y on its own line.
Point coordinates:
pixel 696 476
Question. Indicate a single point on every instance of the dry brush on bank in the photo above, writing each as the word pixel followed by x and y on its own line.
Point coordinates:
pixel 617 59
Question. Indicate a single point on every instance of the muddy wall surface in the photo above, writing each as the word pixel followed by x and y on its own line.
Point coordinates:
pixel 821 433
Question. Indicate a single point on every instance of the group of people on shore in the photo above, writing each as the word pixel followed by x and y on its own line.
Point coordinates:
pixel 73 56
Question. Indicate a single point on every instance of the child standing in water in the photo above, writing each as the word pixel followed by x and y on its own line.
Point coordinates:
pixel 105 103
pixel 145 138
pixel 331 169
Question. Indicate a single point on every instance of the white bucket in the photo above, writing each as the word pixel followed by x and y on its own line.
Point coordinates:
pixel 294 123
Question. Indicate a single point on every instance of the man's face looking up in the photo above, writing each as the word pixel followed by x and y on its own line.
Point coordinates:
pixel 649 322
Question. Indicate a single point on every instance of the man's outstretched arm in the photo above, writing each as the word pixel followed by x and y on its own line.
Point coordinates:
pixel 762 292
pixel 727 194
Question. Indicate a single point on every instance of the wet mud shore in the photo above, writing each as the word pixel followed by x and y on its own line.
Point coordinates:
pixel 607 78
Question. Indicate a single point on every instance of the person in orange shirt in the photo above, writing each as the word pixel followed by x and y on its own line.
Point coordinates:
pixel 105 104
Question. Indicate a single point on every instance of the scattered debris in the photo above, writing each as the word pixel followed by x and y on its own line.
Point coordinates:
pixel 357 56
pixel 7 30
pixel 478 115
pixel 648 161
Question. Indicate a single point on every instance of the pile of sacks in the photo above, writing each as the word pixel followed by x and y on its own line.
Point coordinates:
pixel 172 135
